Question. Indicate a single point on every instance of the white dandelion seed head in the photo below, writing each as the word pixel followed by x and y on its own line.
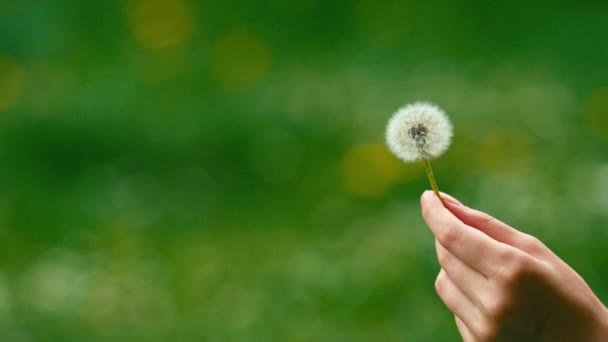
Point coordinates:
pixel 419 131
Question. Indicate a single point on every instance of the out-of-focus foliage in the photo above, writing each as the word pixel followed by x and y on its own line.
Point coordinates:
pixel 185 170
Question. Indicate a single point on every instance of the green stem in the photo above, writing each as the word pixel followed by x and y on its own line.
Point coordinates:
pixel 429 173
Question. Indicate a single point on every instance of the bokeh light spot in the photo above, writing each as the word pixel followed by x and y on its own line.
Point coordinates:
pixel 12 82
pixel 370 170
pixel 240 59
pixel 57 283
pixel 596 113
pixel 160 23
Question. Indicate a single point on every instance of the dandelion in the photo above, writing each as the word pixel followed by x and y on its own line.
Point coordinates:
pixel 419 132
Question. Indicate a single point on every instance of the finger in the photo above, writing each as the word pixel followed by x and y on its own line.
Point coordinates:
pixel 464 331
pixel 456 301
pixel 495 229
pixel 468 244
pixel 472 283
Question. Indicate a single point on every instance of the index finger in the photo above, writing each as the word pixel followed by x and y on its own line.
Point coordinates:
pixel 466 243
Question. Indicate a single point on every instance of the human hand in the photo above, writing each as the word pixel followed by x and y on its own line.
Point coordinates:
pixel 505 285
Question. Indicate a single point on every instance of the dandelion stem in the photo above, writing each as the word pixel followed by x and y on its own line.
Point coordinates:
pixel 429 173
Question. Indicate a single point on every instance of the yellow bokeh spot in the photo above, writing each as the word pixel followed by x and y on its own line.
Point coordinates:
pixel 160 24
pixel 596 113
pixel 370 170
pixel 240 59
pixel 12 82
pixel 504 152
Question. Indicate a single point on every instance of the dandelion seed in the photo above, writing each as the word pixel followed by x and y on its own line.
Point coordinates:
pixel 419 131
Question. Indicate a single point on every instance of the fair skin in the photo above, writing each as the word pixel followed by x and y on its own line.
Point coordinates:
pixel 505 285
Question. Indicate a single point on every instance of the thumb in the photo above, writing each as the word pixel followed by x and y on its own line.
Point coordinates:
pixel 492 227
pixel 498 230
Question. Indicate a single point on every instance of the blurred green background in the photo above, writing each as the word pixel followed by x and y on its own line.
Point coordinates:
pixel 216 170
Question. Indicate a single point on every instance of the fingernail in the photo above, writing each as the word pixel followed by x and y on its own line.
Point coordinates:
pixel 451 200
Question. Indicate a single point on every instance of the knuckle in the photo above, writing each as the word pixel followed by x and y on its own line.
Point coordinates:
pixel 440 283
pixel 488 331
pixel 518 266
pixel 499 307
pixel 531 244
pixel 449 236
